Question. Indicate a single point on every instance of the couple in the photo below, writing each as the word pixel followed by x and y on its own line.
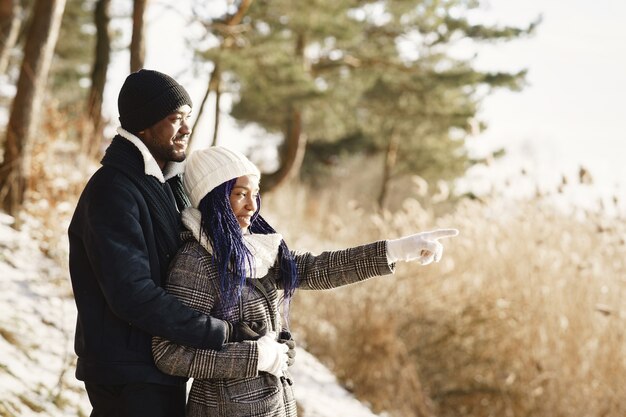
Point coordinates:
pixel 157 306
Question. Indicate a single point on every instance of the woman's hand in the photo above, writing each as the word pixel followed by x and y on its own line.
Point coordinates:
pixel 273 356
pixel 285 337
pixel 424 247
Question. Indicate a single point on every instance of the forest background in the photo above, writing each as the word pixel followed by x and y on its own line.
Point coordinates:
pixel 524 316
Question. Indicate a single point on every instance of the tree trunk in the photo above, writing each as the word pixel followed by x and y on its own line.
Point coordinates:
pixel 138 42
pixel 391 157
pixel 291 154
pixel 10 19
pixel 25 109
pixel 216 87
pixel 92 139
pixel 215 80
pixel 215 74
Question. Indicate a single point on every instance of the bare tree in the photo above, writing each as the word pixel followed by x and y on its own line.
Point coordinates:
pixel 24 117
pixel 98 75
pixel 10 20
pixel 138 42
pixel 228 29
pixel 391 157
pixel 291 153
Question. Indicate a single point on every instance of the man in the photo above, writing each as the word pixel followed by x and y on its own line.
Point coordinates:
pixel 123 233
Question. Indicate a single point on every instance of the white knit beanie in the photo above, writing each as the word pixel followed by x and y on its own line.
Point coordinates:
pixel 207 168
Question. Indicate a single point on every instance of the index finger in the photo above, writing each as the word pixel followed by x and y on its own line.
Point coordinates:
pixel 440 233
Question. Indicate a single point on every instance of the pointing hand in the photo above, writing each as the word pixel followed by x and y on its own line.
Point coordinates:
pixel 425 246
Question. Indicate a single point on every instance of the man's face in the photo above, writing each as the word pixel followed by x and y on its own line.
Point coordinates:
pixel 167 139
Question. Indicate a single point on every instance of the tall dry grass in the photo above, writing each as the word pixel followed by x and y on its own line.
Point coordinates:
pixel 524 316
pixel 59 169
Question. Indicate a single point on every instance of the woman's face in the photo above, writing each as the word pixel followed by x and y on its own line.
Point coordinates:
pixel 243 199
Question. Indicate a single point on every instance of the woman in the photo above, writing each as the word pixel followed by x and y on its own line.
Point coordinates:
pixel 231 266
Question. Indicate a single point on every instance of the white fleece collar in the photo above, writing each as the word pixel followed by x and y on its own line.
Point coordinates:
pixel 150 164
pixel 264 248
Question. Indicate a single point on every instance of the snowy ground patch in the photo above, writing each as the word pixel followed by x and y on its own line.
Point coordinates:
pixel 319 394
pixel 36 332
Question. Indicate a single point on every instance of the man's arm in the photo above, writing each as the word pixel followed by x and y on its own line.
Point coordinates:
pixel 115 238
pixel 191 282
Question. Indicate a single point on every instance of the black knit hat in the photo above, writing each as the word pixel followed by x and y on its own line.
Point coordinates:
pixel 147 97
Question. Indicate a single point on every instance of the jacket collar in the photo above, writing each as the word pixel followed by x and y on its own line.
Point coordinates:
pixel 264 248
pixel 150 165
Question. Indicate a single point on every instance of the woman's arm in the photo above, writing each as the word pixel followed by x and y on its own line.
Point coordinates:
pixel 190 280
pixel 333 269
pixel 234 360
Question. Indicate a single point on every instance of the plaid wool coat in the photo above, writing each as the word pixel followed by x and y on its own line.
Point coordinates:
pixel 226 382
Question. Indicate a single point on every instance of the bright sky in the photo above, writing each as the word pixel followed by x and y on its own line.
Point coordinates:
pixel 570 114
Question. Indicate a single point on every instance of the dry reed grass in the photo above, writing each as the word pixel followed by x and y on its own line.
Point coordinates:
pixel 524 316
pixel 59 171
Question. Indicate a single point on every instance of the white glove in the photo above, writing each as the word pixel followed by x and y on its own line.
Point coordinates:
pixel 272 355
pixel 421 246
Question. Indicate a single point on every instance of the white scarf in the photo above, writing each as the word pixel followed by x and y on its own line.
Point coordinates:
pixel 264 248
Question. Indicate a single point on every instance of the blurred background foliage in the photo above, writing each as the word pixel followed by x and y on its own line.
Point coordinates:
pixel 369 78
pixel 340 81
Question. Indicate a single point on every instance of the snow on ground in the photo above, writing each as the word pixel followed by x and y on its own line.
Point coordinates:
pixel 37 318
pixel 318 392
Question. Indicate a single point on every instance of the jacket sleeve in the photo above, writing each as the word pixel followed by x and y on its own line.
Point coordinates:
pixel 333 269
pixel 189 281
pixel 115 240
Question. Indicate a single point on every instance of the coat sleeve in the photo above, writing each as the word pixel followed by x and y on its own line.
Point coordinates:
pixel 333 269
pixel 114 234
pixel 189 281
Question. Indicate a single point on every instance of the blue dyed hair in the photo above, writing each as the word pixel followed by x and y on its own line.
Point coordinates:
pixel 230 254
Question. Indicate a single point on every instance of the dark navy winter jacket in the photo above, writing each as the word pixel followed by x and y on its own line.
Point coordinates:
pixel 116 277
